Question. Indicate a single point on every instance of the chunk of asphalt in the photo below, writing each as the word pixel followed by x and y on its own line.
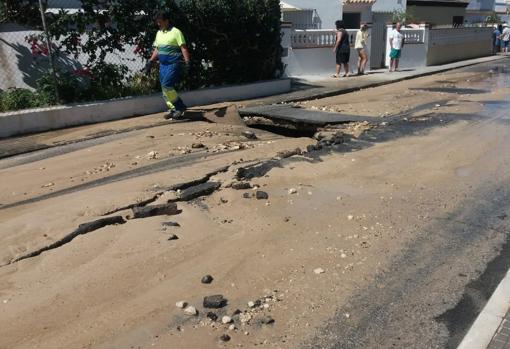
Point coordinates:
pixel 261 195
pixel 170 224
pixel 207 279
pixel 249 134
pixel 224 338
pixel 155 210
pixel 212 316
pixel 199 190
pixel 241 185
pixel 82 229
pixel 288 153
pixel 215 301
pixel 267 320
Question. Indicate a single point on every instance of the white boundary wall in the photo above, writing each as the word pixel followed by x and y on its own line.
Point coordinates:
pixel 425 46
pixel 310 52
pixel 45 119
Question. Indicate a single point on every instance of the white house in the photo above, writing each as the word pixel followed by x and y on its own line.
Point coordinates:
pixel 502 8
pixel 478 10
pixel 325 12
pixel 356 12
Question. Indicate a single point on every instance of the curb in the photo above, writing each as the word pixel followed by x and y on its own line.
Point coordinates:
pixel 442 69
pixel 488 321
pixel 45 119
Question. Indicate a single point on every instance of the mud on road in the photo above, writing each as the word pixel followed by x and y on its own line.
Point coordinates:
pixel 394 236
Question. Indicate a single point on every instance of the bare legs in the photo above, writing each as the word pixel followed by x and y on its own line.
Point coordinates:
pixel 394 64
pixel 339 69
pixel 362 61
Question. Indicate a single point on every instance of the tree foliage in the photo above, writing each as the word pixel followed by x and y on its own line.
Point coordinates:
pixel 231 41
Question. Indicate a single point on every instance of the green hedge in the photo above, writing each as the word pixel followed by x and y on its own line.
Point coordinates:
pixel 231 42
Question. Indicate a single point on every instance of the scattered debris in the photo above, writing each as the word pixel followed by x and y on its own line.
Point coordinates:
pixel 224 337
pixel 215 302
pixel 267 320
pixel 247 195
pixel 170 224
pixel 212 316
pixel 181 304
pixel 232 327
pixel 292 191
pixel 207 279
pixel 199 190
pixel 261 195
pixel 197 145
pixel 249 134
pixel 251 304
pixel 350 217
pixel 173 237
pixel 241 185
pixel 191 310
pixel 288 153
pixel 152 155
pixel 226 319
pixel 155 210
pixel 318 271
pixel 51 184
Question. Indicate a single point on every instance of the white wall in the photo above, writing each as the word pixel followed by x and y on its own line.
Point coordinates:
pixel 450 45
pixel 328 10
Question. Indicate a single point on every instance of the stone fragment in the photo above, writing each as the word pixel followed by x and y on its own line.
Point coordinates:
pixel 241 185
pixel 318 271
pixel 197 145
pixel 261 195
pixel 191 310
pixel 170 224
pixel 155 210
pixel 292 191
pixel 249 134
pixel 232 327
pixel 267 320
pixel 247 195
pixel 212 316
pixel 181 304
pixel 226 319
pixel 199 190
pixel 214 302
pixel 288 153
pixel 224 338
pixel 207 279
pixel 172 237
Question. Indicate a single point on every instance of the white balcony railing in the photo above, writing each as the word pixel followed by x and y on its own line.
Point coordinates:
pixel 318 38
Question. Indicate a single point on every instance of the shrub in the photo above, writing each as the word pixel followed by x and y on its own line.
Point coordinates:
pixel 18 98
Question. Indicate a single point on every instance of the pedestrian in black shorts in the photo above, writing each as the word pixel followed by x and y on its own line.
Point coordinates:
pixel 342 49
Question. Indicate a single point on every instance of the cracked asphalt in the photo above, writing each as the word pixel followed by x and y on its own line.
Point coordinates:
pixel 406 221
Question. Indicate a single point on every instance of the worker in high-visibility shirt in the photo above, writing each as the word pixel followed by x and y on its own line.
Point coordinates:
pixel 170 49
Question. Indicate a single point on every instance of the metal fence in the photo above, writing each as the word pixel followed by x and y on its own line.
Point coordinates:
pixel 26 54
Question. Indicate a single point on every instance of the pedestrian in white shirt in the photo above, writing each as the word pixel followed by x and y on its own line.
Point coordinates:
pixel 505 38
pixel 396 44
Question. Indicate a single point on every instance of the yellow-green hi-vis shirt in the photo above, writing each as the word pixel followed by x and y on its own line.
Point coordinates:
pixel 168 43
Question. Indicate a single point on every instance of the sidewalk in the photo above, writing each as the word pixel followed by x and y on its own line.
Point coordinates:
pixel 491 329
pixel 314 87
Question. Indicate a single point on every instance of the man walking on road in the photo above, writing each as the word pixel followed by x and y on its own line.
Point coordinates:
pixel 396 44
pixel 169 48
